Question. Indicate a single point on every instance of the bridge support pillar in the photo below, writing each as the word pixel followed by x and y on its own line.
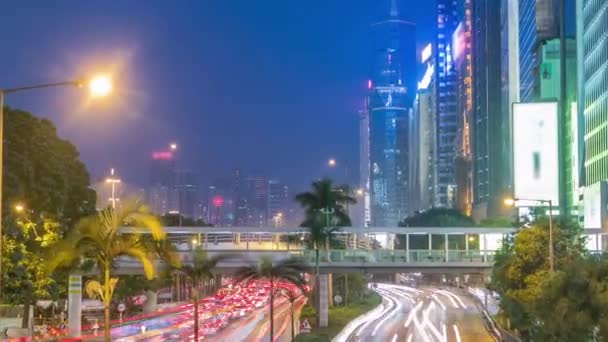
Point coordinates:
pixel 354 241
pixel 323 300
pixel 446 243
pixel 407 247
pixel 466 243
pixel 485 248
pixel 75 305
pixel 430 242
pixel 237 238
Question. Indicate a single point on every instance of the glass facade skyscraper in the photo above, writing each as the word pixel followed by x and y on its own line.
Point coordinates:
pixel 447 100
pixel 491 124
pixel 538 21
pixel 592 30
pixel 391 94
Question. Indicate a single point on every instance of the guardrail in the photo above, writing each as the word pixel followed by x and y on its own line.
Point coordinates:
pixel 399 256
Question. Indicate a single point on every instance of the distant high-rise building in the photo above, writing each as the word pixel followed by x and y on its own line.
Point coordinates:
pixel 242 204
pixel 463 63
pixel 257 198
pixel 549 89
pixel 509 71
pixel 423 189
pixel 491 120
pixel 364 212
pixel 538 20
pixel 186 189
pixel 161 184
pixel 390 99
pixel 277 200
pixel 592 67
pixel 448 18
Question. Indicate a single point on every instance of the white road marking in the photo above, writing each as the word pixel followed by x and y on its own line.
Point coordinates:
pixel 457 333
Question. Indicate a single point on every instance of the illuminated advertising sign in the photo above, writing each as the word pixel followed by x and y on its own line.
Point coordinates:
pixel 535 166
pixel 162 155
pixel 458 44
pixel 426 53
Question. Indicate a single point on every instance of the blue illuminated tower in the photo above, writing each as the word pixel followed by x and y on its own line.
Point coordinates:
pixel 391 93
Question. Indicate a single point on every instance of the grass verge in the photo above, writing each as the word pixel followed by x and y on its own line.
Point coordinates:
pixel 339 317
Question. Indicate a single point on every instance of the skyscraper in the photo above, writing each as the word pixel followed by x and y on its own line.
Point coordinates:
pixel 257 198
pixel 491 123
pixel 161 183
pixel 462 60
pixel 364 214
pixel 538 20
pixel 447 101
pixel 592 66
pixel 423 194
pixel 186 188
pixel 277 199
pixel 549 89
pixel 391 94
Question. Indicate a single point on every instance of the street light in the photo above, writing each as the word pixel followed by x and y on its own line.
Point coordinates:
pixel 511 202
pixel 173 146
pixel 99 85
pixel 113 181
pixel 332 162
pixel 19 208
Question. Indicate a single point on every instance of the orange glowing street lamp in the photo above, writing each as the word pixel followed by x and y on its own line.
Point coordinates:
pixel 98 85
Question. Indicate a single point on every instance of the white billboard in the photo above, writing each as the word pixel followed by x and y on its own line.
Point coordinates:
pixel 535 165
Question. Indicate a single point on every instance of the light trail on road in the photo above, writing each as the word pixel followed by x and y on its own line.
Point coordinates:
pixel 428 314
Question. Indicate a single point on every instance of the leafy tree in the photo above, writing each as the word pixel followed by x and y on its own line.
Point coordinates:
pixel 203 268
pixel 43 173
pixel 436 217
pixel 574 302
pixel 23 256
pixel 98 237
pixel 500 222
pixel 522 266
pixel 289 270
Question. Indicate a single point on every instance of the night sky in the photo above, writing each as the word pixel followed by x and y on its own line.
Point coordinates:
pixel 270 86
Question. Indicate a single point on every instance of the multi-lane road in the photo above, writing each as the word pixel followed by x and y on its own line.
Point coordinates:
pixel 407 314
pixel 177 327
pixel 420 314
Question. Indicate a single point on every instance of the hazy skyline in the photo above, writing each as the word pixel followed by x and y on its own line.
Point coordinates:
pixel 271 89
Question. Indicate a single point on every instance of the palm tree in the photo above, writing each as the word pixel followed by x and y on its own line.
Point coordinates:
pixel 98 237
pixel 325 211
pixel 201 269
pixel 290 270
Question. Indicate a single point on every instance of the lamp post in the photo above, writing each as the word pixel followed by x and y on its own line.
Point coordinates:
pixel 113 181
pixel 511 202
pixel 99 86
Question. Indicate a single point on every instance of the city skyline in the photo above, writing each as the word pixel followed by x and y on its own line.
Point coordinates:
pixel 194 109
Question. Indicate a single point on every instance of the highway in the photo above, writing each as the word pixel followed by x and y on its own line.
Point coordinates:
pixel 420 314
pixel 177 327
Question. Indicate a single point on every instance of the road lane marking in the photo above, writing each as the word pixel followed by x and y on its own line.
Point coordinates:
pixel 412 314
pixel 457 333
pixel 394 308
pixel 410 337
pixel 439 301
pixel 394 338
